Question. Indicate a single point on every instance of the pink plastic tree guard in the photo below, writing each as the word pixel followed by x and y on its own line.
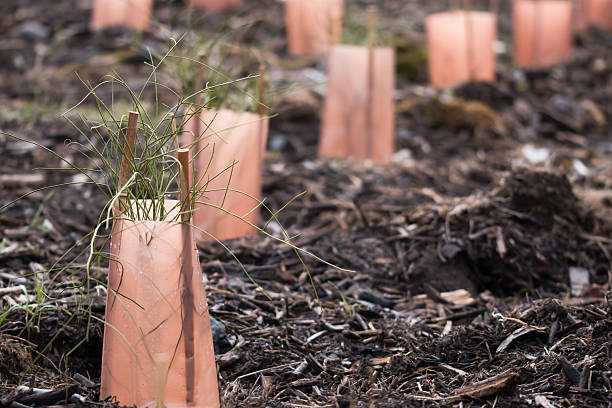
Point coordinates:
pixel 230 189
pixel 359 110
pixel 134 14
pixel 313 25
pixel 599 13
pixel 460 47
pixel 158 347
pixel 215 5
pixel 542 32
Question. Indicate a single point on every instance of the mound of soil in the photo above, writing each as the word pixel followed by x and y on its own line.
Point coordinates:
pixel 15 359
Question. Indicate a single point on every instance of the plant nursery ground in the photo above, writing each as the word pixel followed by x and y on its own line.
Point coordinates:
pixel 478 263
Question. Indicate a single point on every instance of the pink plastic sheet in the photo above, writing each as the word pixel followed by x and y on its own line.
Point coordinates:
pixel 460 47
pixel 598 13
pixel 215 5
pixel 542 32
pixel 236 137
pixel 313 25
pixel 134 14
pixel 359 110
pixel 158 341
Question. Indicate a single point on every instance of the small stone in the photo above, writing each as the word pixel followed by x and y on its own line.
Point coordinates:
pixel 278 143
pixel 218 333
pixel 33 30
pixel 579 280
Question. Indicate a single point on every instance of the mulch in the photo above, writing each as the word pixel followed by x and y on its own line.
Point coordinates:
pixel 455 283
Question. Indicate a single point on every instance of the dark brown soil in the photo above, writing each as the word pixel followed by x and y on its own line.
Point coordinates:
pixel 457 253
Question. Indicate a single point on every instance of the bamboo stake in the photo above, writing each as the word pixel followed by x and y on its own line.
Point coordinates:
pixel 371 32
pixel 188 313
pixel 372 25
pixel 469 49
pixel 537 32
pixel 494 7
pixel 261 86
pixel 184 184
pixel 187 275
pixel 576 12
pixel 128 150
pixel 125 171
pixel 332 23
pixel 261 83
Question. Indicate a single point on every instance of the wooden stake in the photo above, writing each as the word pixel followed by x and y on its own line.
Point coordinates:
pixel 469 49
pixel 331 23
pixel 371 33
pixel 372 25
pixel 261 84
pixel 125 171
pixel 184 184
pixel 537 31
pixel 186 275
pixel 494 6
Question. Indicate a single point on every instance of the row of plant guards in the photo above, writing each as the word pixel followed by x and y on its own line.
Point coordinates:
pixel 358 113
pixel 135 14
pixel 461 41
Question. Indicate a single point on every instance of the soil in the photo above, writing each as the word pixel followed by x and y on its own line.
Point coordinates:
pixel 455 288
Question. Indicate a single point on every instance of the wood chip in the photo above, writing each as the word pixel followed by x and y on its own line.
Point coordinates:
pixel 571 373
pixel 490 386
pixel 579 280
pixel 22 179
pixel 49 397
pixel 379 360
pixel 500 243
pixel 520 332
pixel 315 336
pixel 459 297
pixel 454 370
pixel 11 290
pixel 447 328
pixel 544 402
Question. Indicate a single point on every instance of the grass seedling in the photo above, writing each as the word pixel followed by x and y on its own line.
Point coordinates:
pixel 347 306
